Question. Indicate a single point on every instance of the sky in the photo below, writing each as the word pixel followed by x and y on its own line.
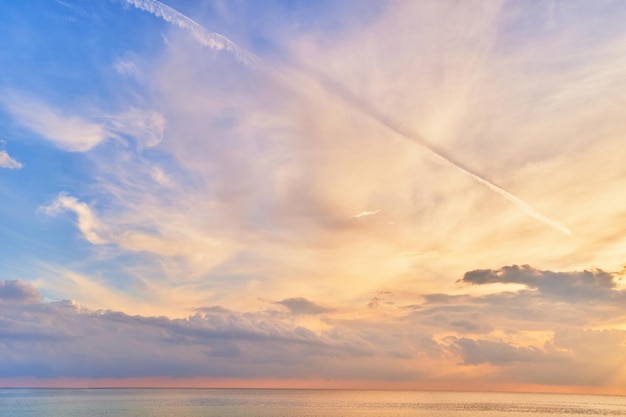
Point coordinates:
pixel 373 194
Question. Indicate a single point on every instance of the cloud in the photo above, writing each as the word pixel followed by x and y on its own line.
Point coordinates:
pixel 256 175
pixel 70 133
pixel 240 184
pixel 82 133
pixel 160 177
pixel 7 162
pixel 87 221
pixel 18 291
pixel 301 305
pixel 475 352
pixel 540 300
pixel 572 286
pixel 348 99
pixel 366 213
pixel 128 66
pixel 210 39
pixel 147 128
pixel 569 357
pixel 97 232
pixel 76 342
pixel 360 105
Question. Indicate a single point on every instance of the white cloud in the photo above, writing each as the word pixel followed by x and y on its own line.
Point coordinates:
pixel 145 127
pixel 7 162
pixel 82 133
pixel 127 67
pixel 160 177
pixel 70 133
pixel 366 213
pixel 87 221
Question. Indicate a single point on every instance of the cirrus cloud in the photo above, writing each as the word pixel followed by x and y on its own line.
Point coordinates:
pixel 7 162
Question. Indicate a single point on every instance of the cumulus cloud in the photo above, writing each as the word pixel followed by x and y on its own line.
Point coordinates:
pixel 7 162
pixel 262 344
pixel 97 344
pixel 18 291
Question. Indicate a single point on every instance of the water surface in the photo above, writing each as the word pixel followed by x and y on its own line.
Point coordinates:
pixel 296 403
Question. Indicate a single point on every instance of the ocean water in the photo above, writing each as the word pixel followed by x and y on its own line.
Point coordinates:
pixel 296 403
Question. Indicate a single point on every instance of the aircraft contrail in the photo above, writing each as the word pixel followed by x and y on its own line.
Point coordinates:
pixel 203 36
pixel 220 42
pixel 437 154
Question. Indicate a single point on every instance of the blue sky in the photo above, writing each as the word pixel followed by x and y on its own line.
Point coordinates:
pixel 347 193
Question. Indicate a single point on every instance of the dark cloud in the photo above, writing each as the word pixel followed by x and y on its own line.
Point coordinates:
pixel 303 306
pixel 474 352
pixel 62 340
pixel 211 309
pixel 572 286
pixel 525 310
pixel 373 303
pixel 572 357
pixel 459 314
pixel 469 326
pixel 546 301
pixel 18 291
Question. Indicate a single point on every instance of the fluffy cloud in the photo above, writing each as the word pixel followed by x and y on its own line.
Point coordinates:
pixel 18 291
pixel 445 338
pixel 62 339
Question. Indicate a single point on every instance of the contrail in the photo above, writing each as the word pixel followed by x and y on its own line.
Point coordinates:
pixel 437 154
pixel 220 42
pixel 203 36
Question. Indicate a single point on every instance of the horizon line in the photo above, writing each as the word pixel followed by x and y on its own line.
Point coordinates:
pixel 507 388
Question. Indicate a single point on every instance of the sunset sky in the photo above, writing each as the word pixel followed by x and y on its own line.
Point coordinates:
pixel 387 194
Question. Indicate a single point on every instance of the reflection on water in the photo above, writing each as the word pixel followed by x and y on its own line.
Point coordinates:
pixel 296 403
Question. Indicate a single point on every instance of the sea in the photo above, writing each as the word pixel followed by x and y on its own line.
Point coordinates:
pixel 297 403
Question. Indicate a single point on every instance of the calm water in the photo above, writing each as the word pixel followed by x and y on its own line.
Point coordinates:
pixel 297 403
